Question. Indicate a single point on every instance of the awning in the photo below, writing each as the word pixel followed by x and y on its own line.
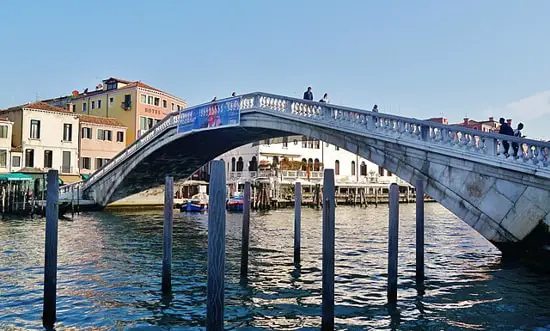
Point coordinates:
pixel 15 177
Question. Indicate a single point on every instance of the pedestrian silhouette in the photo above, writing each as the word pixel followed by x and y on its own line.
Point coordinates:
pixel 308 95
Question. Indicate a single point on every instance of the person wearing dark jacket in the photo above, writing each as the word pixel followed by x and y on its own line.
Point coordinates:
pixel 308 95
pixel 507 130
pixel 517 133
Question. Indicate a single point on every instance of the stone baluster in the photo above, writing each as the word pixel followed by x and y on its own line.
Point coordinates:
pixel 371 125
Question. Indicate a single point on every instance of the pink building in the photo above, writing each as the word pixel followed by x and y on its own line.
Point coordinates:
pixel 487 126
pixel 100 140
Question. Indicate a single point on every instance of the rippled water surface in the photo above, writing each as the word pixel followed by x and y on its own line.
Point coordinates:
pixel 110 268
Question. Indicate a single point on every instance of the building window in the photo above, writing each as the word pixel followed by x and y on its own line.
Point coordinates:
pixel 48 159
pixel 98 104
pixel 178 107
pixel 304 164
pixel 111 86
pixel 316 165
pixel 157 102
pixel 310 164
pixel 67 132
pixel 3 158
pixel 336 148
pixel 86 133
pixel 104 135
pixel 150 100
pixel 92 106
pixel 120 136
pixel 35 129
pixel 295 142
pixel 337 167
pixel 84 106
pixel 29 158
pixel 98 163
pixel 143 98
pixel 111 99
pixel 317 144
pixel 74 108
pixel 127 101
pixel 304 142
pixel 164 104
pixel 3 131
pixel 240 164
pixel 380 171
pixel 173 106
pixel 86 163
pixel 353 168
pixel 363 169
pixel 253 166
pixel 389 173
pixel 310 143
pixel 16 161
pixel 233 164
pixel 285 142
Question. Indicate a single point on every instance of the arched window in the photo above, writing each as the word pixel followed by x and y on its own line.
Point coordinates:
pixel 233 164
pixel 240 164
pixel 310 164
pixel 304 164
pixel 363 170
pixel 316 165
pixel 353 168
pixel 253 165
pixel 337 167
pixel 380 171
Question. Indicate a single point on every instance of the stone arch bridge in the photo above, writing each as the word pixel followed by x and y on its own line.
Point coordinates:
pixel 505 198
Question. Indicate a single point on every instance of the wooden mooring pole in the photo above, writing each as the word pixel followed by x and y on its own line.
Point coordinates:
pixel 419 231
pixel 216 248
pixel 50 260
pixel 328 250
pixel 297 221
pixel 245 230
pixel 393 243
pixel 167 234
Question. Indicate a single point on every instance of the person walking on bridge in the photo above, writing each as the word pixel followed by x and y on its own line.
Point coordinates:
pixel 308 95
pixel 507 130
pixel 324 99
pixel 517 133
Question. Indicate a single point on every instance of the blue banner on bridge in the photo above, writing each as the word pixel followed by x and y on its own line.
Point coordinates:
pixel 214 115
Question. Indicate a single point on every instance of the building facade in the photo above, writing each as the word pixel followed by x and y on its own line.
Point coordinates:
pixel 136 105
pixel 47 138
pixel 100 140
pixel 298 158
pixel 6 127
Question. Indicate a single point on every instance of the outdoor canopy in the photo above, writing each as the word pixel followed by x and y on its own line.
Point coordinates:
pixel 15 177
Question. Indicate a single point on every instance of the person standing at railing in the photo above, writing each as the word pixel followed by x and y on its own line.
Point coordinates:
pixel 506 130
pixel 375 108
pixel 517 133
pixel 324 99
pixel 308 95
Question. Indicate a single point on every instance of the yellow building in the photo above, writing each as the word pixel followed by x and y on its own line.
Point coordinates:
pixel 136 105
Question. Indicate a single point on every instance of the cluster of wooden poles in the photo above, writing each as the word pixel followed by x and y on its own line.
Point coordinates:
pixel 216 244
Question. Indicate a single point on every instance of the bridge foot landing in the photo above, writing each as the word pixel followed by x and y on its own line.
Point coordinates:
pixel 533 251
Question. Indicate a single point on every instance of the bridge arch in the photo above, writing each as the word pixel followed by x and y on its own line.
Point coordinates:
pixel 500 202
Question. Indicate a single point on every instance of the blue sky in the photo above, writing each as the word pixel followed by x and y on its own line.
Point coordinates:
pixel 413 58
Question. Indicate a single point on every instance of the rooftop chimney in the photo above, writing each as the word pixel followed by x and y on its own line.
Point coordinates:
pixel 491 118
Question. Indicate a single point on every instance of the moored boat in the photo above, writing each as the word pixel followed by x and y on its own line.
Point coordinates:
pixel 197 203
pixel 236 203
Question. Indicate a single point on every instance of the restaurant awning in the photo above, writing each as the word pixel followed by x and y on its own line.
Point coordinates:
pixel 15 177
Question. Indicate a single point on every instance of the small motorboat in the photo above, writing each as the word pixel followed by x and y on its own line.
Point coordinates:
pixel 236 203
pixel 197 203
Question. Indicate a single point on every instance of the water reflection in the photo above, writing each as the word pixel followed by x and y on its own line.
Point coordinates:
pixel 110 274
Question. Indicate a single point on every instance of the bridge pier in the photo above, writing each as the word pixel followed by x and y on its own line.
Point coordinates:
pixel 328 250
pixel 419 231
pixel 167 235
pixel 216 248
pixel 50 260
pixel 393 243
pixel 297 221
pixel 245 230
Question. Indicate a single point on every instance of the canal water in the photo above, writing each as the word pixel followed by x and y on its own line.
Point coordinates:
pixel 110 267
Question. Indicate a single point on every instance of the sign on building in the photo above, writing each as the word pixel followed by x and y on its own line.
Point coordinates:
pixel 214 115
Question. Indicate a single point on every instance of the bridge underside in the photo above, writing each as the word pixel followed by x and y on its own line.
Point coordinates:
pixel 181 158
pixel 507 207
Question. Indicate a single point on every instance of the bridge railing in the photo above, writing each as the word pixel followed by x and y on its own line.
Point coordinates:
pixel 469 141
